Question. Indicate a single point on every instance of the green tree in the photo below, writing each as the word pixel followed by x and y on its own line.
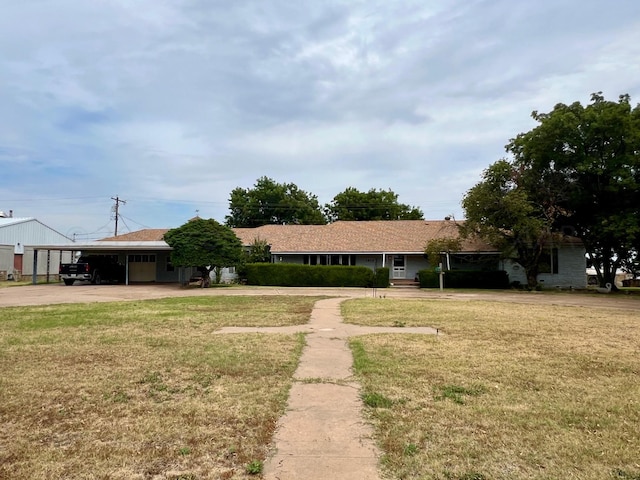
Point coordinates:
pixel 259 252
pixel 438 246
pixel 205 244
pixel 583 162
pixel 499 210
pixel 353 204
pixel 269 202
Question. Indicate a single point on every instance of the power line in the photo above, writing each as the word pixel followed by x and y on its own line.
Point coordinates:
pixel 132 220
pixel 116 208
pixel 125 224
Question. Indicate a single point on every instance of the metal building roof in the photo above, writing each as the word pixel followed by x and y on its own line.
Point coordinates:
pixel 28 231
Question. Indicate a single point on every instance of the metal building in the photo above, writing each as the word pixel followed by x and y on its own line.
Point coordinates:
pixel 16 259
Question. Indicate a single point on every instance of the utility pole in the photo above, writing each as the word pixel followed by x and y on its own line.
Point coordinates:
pixel 115 210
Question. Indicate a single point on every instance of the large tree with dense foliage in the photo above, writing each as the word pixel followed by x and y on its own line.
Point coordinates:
pixel 353 204
pixel 205 244
pixel 584 161
pixel 499 210
pixel 269 202
pixel 578 171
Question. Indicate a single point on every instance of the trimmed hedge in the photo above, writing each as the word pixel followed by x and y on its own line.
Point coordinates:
pixel 381 277
pixel 492 279
pixel 428 279
pixel 295 275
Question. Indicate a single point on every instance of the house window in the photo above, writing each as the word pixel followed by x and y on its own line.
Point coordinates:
pixel 548 262
pixel 398 261
pixel 142 258
pixel 170 267
pixel 476 262
pixel 310 259
pixel 329 259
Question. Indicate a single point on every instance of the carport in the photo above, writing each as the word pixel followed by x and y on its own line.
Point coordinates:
pixel 128 251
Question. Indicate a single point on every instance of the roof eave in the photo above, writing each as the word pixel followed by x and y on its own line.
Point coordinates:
pixel 106 246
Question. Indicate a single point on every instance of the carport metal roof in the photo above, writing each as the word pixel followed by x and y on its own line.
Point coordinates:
pixel 103 246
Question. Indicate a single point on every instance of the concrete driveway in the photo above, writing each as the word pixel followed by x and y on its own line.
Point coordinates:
pixel 87 293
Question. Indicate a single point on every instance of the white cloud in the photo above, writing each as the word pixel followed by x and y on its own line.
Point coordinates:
pixel 173 103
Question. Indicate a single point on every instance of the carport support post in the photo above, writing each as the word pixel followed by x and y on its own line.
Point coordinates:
pixel 441 275
pixel 48 263
pixel 34 277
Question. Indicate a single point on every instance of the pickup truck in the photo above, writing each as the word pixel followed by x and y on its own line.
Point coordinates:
pixel 94 268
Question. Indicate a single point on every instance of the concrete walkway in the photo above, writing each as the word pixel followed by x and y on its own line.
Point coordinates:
pixel 322 434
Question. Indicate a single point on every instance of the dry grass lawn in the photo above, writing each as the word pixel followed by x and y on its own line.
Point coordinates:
pixel 143 390
pixel 505 392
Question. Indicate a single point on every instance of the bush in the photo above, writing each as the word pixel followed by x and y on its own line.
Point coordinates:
pixel 381 277
pixel 494 279
pixel 295 275
pixel 428 279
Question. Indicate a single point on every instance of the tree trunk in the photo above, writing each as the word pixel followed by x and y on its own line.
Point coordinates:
pixel 609 269
pixel 532 279
pixel 530 260
pixel 206 278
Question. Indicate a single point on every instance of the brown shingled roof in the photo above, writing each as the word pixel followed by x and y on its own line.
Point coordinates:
pixel 371 236
pixel 402 236
pixel 146 235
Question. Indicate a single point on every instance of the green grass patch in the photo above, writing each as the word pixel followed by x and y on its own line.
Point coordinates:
pixel 456 393
pixel 192 312
pixel 376 400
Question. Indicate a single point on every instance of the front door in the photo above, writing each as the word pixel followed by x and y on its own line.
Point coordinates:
pixel 399 270
pixel 17 262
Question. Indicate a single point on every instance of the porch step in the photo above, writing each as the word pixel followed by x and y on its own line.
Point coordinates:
pixel 404 283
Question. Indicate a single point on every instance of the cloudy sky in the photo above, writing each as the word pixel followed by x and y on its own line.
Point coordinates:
pixel 171 104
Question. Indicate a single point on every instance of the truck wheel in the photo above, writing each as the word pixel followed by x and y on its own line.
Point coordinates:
pixel 97 280
pixel 68 281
